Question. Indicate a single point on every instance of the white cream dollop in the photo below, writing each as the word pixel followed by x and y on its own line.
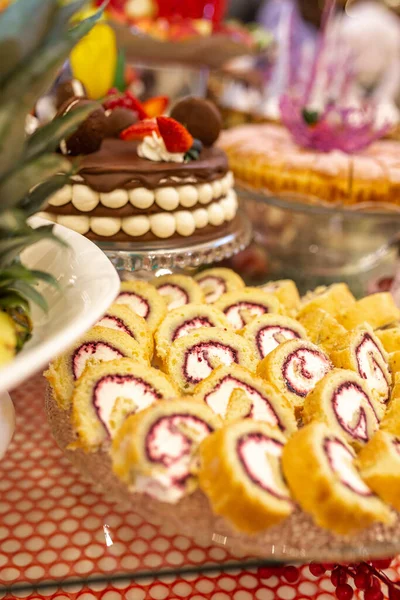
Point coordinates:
pixel 153 148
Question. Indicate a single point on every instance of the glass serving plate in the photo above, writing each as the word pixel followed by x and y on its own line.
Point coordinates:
pixel 316 243
pixel 185 254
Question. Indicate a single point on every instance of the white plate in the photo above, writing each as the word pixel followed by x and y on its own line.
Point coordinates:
pixel 88 285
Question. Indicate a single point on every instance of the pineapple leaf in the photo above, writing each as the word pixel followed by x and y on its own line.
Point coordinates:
pixel 20 181
pixel 22 28
pixel 30 81
pixel 13 300
pixel 63 16
pixel 48 137
pixel 29 292
pixel 34 201
pixel 46 277
pixel 17 271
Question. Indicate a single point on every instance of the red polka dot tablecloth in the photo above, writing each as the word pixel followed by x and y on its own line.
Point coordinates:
pixel 55 525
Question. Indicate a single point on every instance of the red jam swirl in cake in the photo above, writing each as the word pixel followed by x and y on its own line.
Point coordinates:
pixel 372 366
pixel 238 313
pixel 340 459
pixel 269 337
pixel 202 358
pixel 302 370
pixel 353 410
pixel 111 387
pixel 115 323
pixel 260 457
pixel 190 325
pixel 261 409
pixel 92 350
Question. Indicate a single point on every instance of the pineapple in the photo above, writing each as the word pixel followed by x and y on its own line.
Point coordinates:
pixel 35 39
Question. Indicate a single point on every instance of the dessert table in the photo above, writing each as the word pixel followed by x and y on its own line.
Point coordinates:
pixel 55 527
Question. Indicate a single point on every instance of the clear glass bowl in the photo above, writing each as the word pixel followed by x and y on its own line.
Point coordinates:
pixel 319 244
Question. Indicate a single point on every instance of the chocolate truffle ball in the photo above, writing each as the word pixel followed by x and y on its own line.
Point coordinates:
pixel 69 89
pixel 119 119
pixel 89 135
pixel 200 117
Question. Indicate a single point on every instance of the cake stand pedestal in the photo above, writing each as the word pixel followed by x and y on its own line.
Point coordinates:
pixel 149 259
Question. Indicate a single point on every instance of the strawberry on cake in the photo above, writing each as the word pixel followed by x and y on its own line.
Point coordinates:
pixel 149 178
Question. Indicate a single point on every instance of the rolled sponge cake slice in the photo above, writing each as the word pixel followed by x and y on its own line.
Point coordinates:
pixel 108 392
pixel 100 344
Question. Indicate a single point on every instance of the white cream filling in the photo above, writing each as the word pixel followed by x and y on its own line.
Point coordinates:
pixel 203 359
pixel 370 361
pixel 341 459
pixel 98 351
pixel 162 225
pixel 238 314
pixel 153 148
pixel 175 295
pixel 136 303
pixel 189 326
pixel 213 287
pixel 112 323
pixel 173 441
pixel 347 405
pixel 304 369
pixel 270 337
pixel 107 393
pixel 256 456
pixel 219 398
pixel 168 198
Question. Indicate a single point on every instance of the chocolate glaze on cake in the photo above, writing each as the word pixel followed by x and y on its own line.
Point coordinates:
pixel 117 166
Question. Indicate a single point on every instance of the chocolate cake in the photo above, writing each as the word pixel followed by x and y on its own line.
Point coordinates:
pixel 154 181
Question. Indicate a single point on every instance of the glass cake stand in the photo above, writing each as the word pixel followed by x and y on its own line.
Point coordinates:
pixel 150 258
pixel 316 243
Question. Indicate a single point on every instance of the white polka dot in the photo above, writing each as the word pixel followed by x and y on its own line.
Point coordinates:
pixel 175 558
pixel 159 592
pixel 11 546
pixel 112 595
pixel 138 547
pixel 217 553
pixel 327 585
pixel 227 583
pixel 181 542
pixel 46 528
pixel 220 596
pixel 196 555
pixel 22 559
pixel 58 541
pixel 84 566
pixel 265 594
pixel 182 589
pixel 87 596
pixel 35 544
pixel 308 589
pixel 152 560
pixel 147 532
pixel 205 586
pixel 71 554
pixel 9 574
pixel 81 538
pixel 107 563
pixel 58 513
pixel 271 582
pixel 47 556
pixel 135 594
pixel 79 511
pixel 324 597
pixel 3 560
pixel 286 593
pixel 248 581
pixel 130 563
pixel 242 595
pixel 126 534
pixel 92 523
pixel 35 572
pixel 23 531
pixel 94 551
pixel 122 583
pixel 59 570
pixel 69 525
